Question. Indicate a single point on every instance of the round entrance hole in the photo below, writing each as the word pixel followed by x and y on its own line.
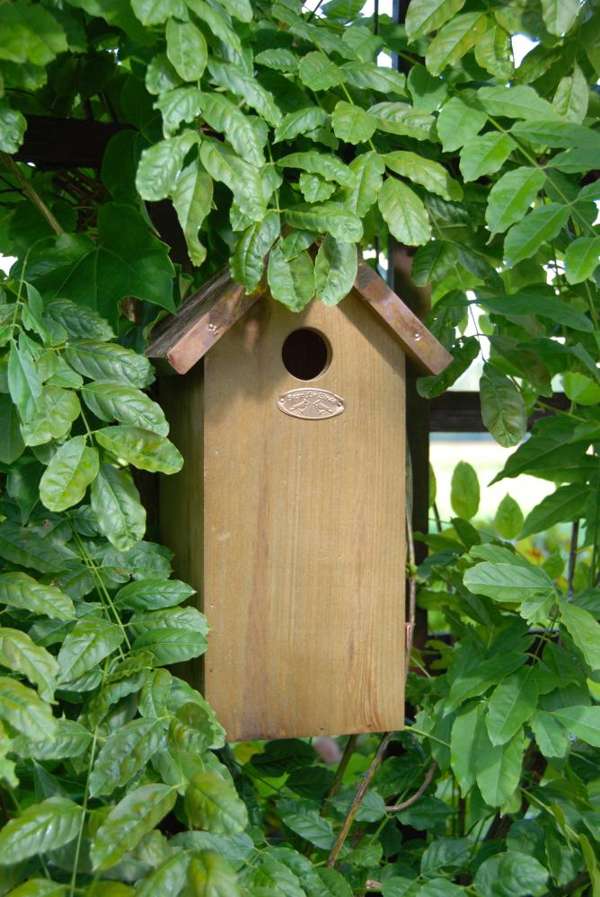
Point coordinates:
pixel 306 353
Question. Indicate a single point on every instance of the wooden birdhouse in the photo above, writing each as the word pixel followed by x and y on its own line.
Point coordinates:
pixel 289 514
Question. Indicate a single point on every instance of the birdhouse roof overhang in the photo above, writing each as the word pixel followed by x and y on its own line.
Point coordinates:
pixel 208 314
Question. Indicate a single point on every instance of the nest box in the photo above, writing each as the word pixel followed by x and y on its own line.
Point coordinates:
pixel 289 514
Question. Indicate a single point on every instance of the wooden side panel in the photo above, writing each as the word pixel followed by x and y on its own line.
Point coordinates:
pixel 304 530
pixel 180 496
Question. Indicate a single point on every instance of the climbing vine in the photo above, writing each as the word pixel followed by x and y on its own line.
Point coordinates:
pixel 283 141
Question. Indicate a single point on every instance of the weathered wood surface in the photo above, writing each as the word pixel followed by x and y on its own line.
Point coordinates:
pixel 420 345
pixel 202 320
pixel 302 561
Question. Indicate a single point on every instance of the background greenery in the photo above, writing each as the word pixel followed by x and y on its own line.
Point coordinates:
pixel 269 128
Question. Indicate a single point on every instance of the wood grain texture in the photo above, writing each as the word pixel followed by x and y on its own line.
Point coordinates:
pixel 417 341
pixel 304 546
pixel 202 320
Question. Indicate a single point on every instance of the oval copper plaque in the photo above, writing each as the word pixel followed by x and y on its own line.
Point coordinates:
pixel 310 403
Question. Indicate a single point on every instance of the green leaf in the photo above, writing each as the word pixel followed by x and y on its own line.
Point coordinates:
pixel 125 752
pixel 247 88
pixel 325 165
pixel 511 874
pixel 192 198
pixel 581 721
pixel 126 260
pixel 132 818
pixel 464 491
pixel 115 501
pixel 183 104
pixel 72 468
pixel 403 120
pixel 559 15
pixel 172 635
pixel 424 16
pixel 29 547
pixel 455 39
pixel 12 127
pixel 248 260
pixel 429 174
pixel 39 887
pixel 512 583
pixel 440 887
pixel 161 77
pixel 572 96
pixel 22 591
pixel 41 827
pixel 542 224
pixel 336 265
pixel 503 409
pixel 370 76
pixel 582 257
pixel 69 739
pixel 24 384
pixel 19 654
pixel 153 594
pixel 485 155
pixel 160 164
pixel 186 49
pixel 467 739
pixel 511 197
pixel 351 123
pixel 499 770
pixel 464 354
pixel 29 33
pixel 404 213
pixel 574 160
pixel 242 178
pixel 78 321
pixel 218 23
pixel 566 504
pixel 109 362
pixel 50 416
pixel 110 401
pixel 142 448
pixel 508 521
pixel 584 630
pixel 541 301
pixel 368 169
pixel 11 441
pixel 318 72
pixel 581 389
pixel 518 101
pixel 88 643
pixel 551 737
pixel 303 120
pixel 512 703
pixel 314 189
pixel 557 134
pixel 239 9
pixel 168 879
pixel 155 12
pixel 243 132
pixel 25 712
pixel 210 875
pixel 303 818
pixel 291 281
pixel 458 123
pixel 493 52
pixel 328 217
pixel 211 803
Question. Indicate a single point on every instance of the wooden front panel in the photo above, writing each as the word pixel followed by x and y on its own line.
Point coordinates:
pixel 304 545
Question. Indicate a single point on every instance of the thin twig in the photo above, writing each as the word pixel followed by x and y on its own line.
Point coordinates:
pixel 398 808
pixel 572 560
pixel 412 591
pixel 32 194
pixel 342 766
pixel 358 799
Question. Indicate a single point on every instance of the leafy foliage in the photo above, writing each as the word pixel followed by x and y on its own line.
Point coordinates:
pixel 270 128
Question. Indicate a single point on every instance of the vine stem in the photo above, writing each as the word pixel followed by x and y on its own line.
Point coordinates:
pixel 358 799
pixel 405 804
pixel 32 194
pixel 572 560
pixel 342 766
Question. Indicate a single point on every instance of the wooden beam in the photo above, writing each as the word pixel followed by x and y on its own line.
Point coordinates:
pixel 417 342
pixel 65 142
pixel 460 412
